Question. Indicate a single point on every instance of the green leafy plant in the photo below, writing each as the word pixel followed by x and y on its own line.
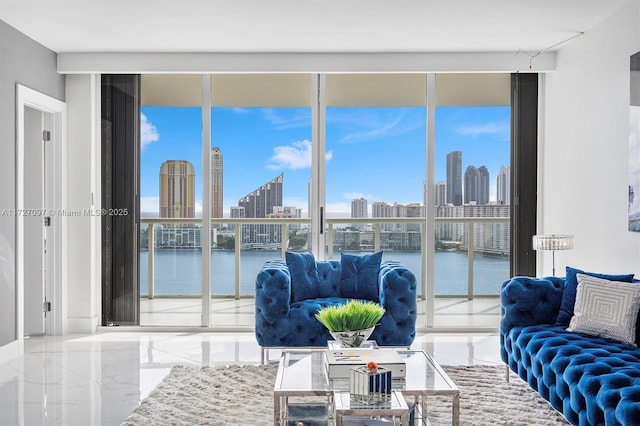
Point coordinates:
pixel 351 316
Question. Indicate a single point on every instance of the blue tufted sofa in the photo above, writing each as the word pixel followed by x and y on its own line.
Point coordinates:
pixel 590 380
pixel 282 322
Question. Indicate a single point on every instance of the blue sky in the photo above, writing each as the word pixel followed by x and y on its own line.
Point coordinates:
pixel 376 153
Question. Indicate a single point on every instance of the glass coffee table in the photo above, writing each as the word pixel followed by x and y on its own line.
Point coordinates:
pixel 302 377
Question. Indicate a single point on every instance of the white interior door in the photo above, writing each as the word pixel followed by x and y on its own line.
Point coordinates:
pixel 39 215
pixel 34 232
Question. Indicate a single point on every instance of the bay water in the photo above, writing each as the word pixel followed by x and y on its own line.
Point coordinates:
pixel 179 272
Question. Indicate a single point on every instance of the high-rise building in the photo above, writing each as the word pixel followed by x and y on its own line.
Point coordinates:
pixel 236 212
pixel 414 210
pixel 454 178
pixel 471 181
pixel 503 195
pixel 476 185
pixel 382 209
pixel 483 185
pixel 177 189
pixel 449 231
pixel 286 212
pixel 441 193
pixel 359 207
pixel 216 182
pixel 489 237
pixel 260 203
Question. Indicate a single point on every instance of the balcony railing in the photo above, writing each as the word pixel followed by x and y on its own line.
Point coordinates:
pixel 470 225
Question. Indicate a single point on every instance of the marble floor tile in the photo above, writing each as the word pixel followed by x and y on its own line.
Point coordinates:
pixel 99 379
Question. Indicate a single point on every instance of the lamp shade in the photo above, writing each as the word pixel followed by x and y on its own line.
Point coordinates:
pixel 552 242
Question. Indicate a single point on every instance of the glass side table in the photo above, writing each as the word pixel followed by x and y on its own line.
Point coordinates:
pixel 344 405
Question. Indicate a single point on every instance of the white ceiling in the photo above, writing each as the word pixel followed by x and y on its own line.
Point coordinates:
pixel 304 25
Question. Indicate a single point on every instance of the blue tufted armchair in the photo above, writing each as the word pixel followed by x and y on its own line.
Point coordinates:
pixel 286 307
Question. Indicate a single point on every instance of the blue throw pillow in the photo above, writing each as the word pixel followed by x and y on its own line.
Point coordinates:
pixel 304 276
pixel 570 289
pixel 359 276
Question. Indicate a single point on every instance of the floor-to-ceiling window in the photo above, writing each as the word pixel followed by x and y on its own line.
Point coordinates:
pixel 375 166
pixel 171 200
pixel 374 184
pixel 472 170
pixel 472 197
pixel 260 175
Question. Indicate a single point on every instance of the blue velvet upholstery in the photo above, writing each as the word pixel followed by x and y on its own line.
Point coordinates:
pixel 590 380
pixel 282 322
pixel 303 270
pixel 357 274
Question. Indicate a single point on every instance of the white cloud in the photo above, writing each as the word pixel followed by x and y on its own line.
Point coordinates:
pixel 294 156
pixel 240 110
pixel 366 124
pixel 148 132
pixel 379 130
pixel 499 129
pixel 354 195
pixel 281 122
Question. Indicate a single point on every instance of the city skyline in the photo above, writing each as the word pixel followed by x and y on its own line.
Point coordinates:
pixel 177 201
pixel 268 200
pixel 177 189
pixel 363 145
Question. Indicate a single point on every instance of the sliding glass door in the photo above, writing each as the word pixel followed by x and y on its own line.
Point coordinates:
pixel 260 175
pixel 471 184
pixel 171 201
pixel 323 163
pixel 375 166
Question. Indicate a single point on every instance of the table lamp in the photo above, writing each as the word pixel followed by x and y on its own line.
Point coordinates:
pixel 553 242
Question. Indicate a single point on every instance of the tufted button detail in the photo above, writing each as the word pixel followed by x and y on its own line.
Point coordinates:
pixel 591 380
pixel 279 322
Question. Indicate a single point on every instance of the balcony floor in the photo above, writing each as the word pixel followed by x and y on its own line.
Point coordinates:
pixel 450 313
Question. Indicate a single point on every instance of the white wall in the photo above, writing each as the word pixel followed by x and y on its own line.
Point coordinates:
pixel 583 186
pixel 83 284
pixel 26 62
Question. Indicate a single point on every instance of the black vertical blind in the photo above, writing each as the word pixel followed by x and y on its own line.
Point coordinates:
pixel 524 172
pixel 120 199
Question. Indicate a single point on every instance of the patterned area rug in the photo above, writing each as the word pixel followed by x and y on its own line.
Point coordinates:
pixel 243 395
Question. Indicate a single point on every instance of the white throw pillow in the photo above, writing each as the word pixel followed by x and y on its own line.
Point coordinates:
pixel 606 308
